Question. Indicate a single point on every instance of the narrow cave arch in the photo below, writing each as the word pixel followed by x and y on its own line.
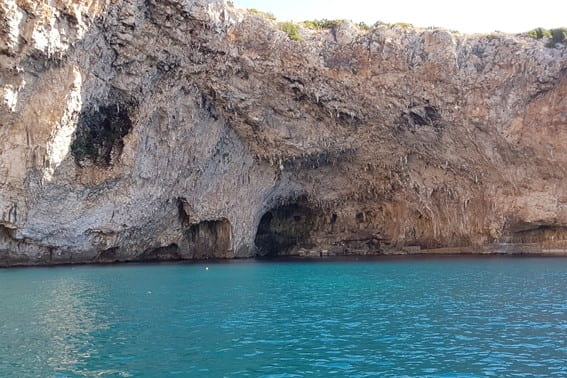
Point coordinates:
pixel 283 229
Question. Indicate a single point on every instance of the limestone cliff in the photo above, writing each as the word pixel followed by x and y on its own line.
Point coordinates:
pixel 179 129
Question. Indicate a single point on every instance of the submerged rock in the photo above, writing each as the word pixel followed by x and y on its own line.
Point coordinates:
pixel 179 129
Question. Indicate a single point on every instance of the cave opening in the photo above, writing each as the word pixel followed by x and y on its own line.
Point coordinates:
pixel 283 229
pixel 100 132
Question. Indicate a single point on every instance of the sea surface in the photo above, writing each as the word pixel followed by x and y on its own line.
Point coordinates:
pixel 438 317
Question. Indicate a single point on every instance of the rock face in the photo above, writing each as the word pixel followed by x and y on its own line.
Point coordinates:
pixel 180 129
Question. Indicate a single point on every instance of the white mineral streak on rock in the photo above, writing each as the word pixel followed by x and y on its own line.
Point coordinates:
pixel 13 18
pixel 10 96
pixel 59 146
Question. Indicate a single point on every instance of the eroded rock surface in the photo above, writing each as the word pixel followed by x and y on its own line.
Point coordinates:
pixel 180 129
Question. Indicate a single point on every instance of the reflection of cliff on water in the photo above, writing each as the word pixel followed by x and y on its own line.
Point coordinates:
pixel 61 324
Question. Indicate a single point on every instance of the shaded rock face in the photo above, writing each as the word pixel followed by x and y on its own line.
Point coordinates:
pixel 181 129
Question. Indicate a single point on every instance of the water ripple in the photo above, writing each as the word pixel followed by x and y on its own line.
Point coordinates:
pixel 435 318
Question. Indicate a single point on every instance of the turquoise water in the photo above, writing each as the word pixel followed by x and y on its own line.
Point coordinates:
pixel 403 317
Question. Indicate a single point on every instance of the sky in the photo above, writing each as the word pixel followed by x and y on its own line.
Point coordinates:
pixel 478 16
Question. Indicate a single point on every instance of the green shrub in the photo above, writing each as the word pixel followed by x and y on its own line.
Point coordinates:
pixel 558 35
pixel 321 24
pixel 363 26
pixel 329 24
pixel 267 15
pixel 310 25
pixel 539 33
pixel 403 25
pixel 291 29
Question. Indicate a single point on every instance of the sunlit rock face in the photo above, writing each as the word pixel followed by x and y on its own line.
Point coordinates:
pixel 182 129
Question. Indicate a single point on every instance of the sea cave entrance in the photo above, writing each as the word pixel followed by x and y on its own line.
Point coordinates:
pixel 283 229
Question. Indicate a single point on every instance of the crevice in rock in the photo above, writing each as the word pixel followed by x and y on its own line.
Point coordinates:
pixel 318 159
pixel 209 106
pixel 166 253
pixel 108 255
pixel 208 239
pixel 544 234
pixel 6 233
pixel 39 61
pixel 421 115
pixel 182 213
